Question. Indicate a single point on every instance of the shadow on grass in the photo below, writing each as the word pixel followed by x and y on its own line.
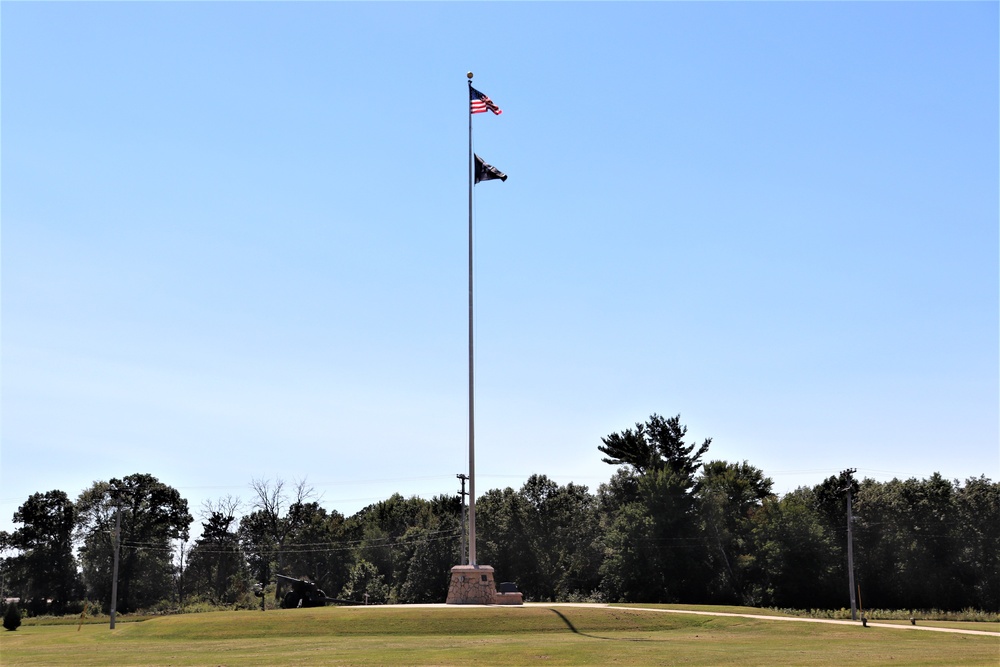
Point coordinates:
pixel 569 624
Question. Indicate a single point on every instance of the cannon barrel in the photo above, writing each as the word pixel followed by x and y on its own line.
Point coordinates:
pixel 346 603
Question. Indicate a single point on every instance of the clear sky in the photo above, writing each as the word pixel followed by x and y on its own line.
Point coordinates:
pixel 234 241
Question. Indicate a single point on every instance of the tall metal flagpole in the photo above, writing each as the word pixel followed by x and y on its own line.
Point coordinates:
pixel 472 395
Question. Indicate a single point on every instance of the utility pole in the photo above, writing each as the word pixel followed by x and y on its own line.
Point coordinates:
pixel 463 477
pixel 180 580
pixel 114 575
pixel 850 542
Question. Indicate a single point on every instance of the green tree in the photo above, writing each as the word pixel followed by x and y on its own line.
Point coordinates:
pixel 7 574
pixel 630 570
pixel 266 531
pixel 568 528
pixel 504 538
pixel 544 537
pixel 152 515
pixel 383 534
pixel 829 500
pixel 432 553
pixel 315 546
pixel 216 569
pixel 366 584
pixel 426 552
pixel 657 444
pixel 798 565
pixel 728 495
pixel 45 541
pixel 674 533
pixel 617 492
pixel 667 542
pixel 912 545
pixel 652 544
pixel 258 545
pixel 977 506
pixel 883 536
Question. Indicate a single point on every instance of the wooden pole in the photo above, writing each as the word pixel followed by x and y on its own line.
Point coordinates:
pixel 114 574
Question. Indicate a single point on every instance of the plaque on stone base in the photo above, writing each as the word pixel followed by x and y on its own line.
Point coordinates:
pixel 472 584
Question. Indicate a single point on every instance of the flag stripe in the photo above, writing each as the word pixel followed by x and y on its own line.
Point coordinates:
pixel 481 103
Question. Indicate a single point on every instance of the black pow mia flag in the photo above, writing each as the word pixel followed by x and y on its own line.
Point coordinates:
pixel 485 172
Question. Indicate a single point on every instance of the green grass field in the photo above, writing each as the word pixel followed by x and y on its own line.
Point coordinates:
pixel 555 635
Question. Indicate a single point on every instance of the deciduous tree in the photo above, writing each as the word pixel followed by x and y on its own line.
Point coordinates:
pixel 799 566
pixel 45 541
pixel 728 495
pixel 216 568
pixel 152 515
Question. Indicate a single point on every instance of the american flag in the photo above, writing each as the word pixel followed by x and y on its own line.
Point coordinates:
pixel 480 103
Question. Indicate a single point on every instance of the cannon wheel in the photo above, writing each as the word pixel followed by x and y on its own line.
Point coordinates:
pixel 291 600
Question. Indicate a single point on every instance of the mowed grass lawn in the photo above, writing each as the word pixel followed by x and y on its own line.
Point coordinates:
pixel 557 635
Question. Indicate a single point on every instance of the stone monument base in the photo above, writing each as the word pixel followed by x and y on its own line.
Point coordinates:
pixel 472 584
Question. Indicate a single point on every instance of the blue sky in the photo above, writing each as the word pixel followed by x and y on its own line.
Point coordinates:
pixel 234 241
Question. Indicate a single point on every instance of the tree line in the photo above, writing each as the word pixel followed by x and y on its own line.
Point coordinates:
pixel 666 527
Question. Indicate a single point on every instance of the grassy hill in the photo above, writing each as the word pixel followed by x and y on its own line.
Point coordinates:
pixel 557 635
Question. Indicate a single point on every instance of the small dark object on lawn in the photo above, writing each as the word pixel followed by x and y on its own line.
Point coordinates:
pixel 12 617
pixel 864 621
pixel 913 621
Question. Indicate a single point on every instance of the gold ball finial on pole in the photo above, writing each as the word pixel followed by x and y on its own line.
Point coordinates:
pixel 469 75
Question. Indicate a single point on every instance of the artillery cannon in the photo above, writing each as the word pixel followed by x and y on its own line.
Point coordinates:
pixel 305 593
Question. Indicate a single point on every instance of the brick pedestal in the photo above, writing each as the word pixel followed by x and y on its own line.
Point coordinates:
pixel 472 584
